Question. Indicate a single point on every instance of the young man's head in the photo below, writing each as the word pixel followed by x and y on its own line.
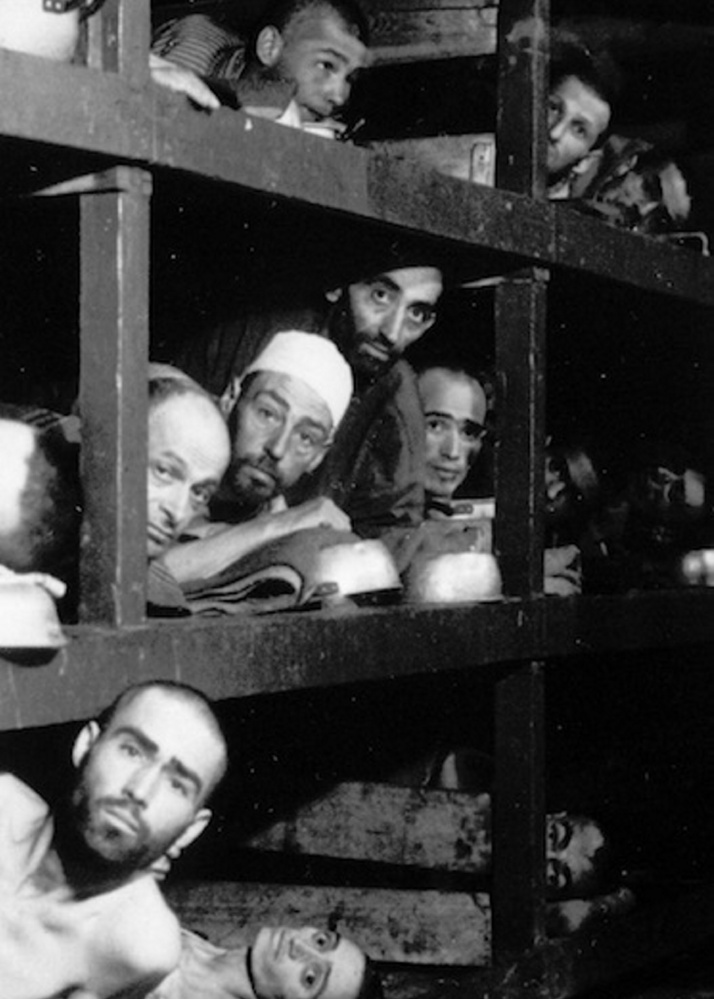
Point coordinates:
pixel 288 963
pixel 40 509
pixel 379 317
pixel 145 770
pixel 188 453
pixel 582 90
pixel 454 407
pixel 292 399
pixel 319 46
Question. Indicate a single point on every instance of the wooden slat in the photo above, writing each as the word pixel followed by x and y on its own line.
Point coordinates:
pixel 114 324
pixel 415 927
pixel 54 104
pixel 519 812
pixel 286 652
pixel 442 830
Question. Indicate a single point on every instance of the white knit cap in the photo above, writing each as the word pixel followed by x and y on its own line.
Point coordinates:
pixel 316 361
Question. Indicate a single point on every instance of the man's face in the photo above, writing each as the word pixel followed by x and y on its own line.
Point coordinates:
pixel 305 963
pixel 572 843
pixel 323 58
pixel 144 779
pixel 454 414
pixel 577 117
pixel 388 313
pixel 188 452
pixel 282 432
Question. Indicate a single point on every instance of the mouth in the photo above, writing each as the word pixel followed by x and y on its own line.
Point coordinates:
pixel 158 537
pixel 121 818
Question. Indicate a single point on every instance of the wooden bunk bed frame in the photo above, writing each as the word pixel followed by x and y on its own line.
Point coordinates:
pixel 108 129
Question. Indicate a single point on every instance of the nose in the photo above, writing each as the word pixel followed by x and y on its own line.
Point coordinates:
pixel 391 325
pixel 337 90
pixel 278 444
pixel 451 444
pixel 140 784
pixel 556 128
pixel 176 505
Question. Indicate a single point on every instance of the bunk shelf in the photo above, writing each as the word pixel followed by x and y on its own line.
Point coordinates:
pixel 265 655
pixel 65 106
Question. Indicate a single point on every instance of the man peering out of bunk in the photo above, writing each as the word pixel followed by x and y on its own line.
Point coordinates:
pixel 188 453
pixel 282 963
pixel 81 912
pixel 297 68
pixel 455 410
pixel 284 413
pixel 375 469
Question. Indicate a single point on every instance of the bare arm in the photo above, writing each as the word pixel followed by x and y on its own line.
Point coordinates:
pixel 182 81
pixel 194 560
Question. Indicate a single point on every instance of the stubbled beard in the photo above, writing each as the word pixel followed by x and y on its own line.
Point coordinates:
pixel 93 849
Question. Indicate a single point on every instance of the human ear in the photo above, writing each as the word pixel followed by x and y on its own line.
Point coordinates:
pixel 84 742
pixel 269 45
pixel 190 833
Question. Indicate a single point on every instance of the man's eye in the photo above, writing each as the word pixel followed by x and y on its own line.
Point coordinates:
pixel 435 425
pixel 311 976
pixel 180 786
pixel 201 495
pixel 421 314
pixel 322 940
pixel 380 294
pixel 161 471
pixel 130 749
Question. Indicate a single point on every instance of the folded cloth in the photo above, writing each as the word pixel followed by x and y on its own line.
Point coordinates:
pixel 276 576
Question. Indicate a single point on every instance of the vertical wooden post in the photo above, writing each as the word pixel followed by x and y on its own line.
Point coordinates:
pixel 118 39
pixel 520 463
pixel 114 321
pixel 523 36
pixel 517 905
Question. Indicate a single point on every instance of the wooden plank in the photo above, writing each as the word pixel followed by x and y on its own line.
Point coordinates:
pixel 114 324
pixel 523 38
pixel 54 104
pixel 415 927
pixel 519 812
pixel 443 830
pixel 520 314
pixel 245 657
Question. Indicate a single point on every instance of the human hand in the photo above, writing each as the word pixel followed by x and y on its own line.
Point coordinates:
pixel 182 81
pixel 562 571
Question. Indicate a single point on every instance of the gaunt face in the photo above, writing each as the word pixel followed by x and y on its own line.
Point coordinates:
pixel 306 963
pixel 577 117
pixel 454 413
pixel 282 431
pixel 572 845
pixel 144 779
pixel 188 452
pixel 388 313
pixel 323 58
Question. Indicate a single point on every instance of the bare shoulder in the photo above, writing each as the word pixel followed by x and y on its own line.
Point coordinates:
pixel 140 936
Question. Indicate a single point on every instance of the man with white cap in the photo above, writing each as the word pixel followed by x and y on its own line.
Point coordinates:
pixel 282 418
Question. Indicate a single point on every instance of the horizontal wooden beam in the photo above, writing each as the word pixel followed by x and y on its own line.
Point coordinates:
pixel 492 230
pixel 269 655
pixel 415 927
pixel 382 823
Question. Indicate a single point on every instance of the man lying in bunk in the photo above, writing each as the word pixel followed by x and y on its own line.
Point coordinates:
pixel 281 963
pixel 455 409
pixel 282 423
pixel 375 469
pixel 297 68
pixel 81 912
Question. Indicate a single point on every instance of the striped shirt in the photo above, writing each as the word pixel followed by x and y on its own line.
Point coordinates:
pixel 199 43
